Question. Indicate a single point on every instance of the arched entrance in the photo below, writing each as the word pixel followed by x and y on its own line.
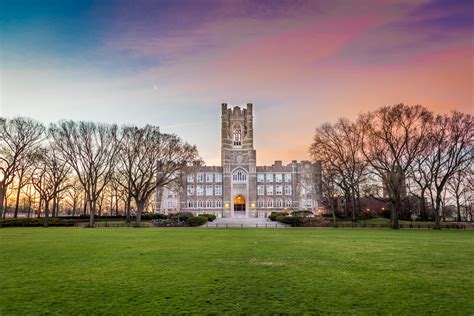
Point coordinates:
pixel 239 206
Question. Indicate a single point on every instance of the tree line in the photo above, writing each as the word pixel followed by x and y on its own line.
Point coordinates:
pixel 396 154
pixel 86 165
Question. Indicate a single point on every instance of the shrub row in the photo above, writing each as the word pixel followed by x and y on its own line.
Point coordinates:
pixel 273 216
pixel 197 221
pixel 291 220
pixel 37 222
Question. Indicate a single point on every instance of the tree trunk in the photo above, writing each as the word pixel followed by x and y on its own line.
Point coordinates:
pixel 92 204
pixel 46 213
pixel 394 211
pixel 140 207
pixel 353 207
pixel 2 198
pixel 29 208
pixel 458 207
pixel 129 201
pixel 17 201
pixel 436 211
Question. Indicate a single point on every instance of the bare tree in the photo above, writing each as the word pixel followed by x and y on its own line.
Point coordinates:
pixel 49 176
pixel 18 138
pixel 90 149
pixel 73 194
pixel 339 147
pixel 150 159
pixel 393 137
pixel 451 143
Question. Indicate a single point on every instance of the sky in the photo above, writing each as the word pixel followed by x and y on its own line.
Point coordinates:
pixel 172 63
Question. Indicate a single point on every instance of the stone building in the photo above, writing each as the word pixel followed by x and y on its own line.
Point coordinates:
pixel 240 188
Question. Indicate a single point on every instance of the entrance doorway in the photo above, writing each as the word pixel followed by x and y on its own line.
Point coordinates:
pixel 239 206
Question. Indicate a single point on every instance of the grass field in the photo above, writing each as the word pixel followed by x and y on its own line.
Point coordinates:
pixel 236 271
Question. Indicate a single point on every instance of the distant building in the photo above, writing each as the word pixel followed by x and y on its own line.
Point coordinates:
pixel 240 188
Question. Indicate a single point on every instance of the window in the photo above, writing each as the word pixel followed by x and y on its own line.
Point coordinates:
pixel 269 203
pixel 260 203
pixel 261 190
pixel 190 204
pixel 279 203
pixel 200 177
pixel 287 177
pixel 190 177
pixel 209 203
pixel 261 177
pixel 237 137
pixel 218 203
pixel 218 190
pixel 288 203
pixel 279 177
pixel 209 177
pixel 278 189
pixel 287 189
pixel 269 189
pixel 190 189
pixel 269 177
pixel 199 190
pixel 170 204
pixel 239 175
pixel 218 177
pixel 209 189
pixel 200 204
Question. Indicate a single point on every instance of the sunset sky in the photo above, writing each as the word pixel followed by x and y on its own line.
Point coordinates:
pixel 172 63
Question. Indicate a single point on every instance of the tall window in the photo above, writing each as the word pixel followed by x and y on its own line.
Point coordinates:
pixel 287 177
pixel 190 204
pixel 278 177
pixel 269 189
pixel 279 203
pixel 190 177
pixel 270 203
pixel 209 203
pixel 288 203
pixel 218 189
pixel 269 177
pixel 190 189
pixel 209 189
pixel 278 189
pixel 200 204
pixel 237 137
pixel 261 190
pixel 199 190
pixel 260 203
pixel 209 177
pixel 200 177
pixel 218 177
pixel 287 189
pixel 261 177
pixel 218 203
pixel 239 175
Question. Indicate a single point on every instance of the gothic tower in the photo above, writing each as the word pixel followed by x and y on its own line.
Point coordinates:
pixel 238 158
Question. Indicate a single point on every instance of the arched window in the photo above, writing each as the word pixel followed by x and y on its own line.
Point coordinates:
pixel 190 204
pixel 218 203
pixel 260 203
pixel 270 203
pixel 239 175
pixel 279 203
pixel 200 204
pixel 209 203
pixel 288 203
pixel 237 136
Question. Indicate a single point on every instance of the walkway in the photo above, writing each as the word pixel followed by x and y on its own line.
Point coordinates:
pixel 244 222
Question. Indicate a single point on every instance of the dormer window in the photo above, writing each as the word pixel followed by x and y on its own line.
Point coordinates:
pixel 237 137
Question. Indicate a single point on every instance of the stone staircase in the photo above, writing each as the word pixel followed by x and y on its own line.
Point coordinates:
pixel 244 222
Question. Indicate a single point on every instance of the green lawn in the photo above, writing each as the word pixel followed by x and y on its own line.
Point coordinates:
pixel 236 271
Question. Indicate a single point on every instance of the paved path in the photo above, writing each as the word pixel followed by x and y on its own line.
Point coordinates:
pixel 244 222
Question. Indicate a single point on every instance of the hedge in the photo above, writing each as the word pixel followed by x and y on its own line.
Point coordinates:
pixel 291 220
pixel 197 221
pixel 273 216
pixel 210 217
pixel 36 222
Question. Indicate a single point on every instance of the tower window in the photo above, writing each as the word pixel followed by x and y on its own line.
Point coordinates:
pixel 237 137
pixel 239 175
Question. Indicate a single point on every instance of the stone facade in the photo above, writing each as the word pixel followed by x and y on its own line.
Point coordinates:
pixel 240 188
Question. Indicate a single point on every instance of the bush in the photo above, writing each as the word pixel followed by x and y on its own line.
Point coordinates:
pixel 197 221
pixel 290 220
pixel 150 216
pixel 37 222
pixel 210 217
pixel 302 213
pixel 273 216
pixel 182 216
